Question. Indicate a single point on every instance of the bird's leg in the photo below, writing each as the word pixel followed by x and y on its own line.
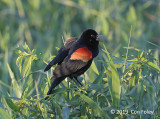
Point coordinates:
pixel 68 90
pixel 79 84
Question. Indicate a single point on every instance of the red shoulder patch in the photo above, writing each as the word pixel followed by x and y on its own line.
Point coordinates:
pixel 83 54
pixel 71 38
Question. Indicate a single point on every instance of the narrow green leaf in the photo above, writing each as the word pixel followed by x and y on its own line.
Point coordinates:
pixel 46 89
pixel 141 54
pixel 4 114
pixel 19 62
pixel 17 89
pixel 12 105
pixel 94 106
pixel 154 66
pixel 115 88
pixel 109 73
pixel 94 68
pixel 27 66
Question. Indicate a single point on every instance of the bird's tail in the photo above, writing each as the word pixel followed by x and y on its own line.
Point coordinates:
pixel 55 82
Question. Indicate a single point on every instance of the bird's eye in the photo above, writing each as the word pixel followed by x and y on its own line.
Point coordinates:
pixel 93 36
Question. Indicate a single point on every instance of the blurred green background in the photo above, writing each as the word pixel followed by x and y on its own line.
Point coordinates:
pixel 45 24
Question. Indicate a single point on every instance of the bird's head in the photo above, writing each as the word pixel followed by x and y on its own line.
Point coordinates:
pixel 90 37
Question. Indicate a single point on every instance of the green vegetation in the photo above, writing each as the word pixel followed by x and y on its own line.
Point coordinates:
pixel 123 81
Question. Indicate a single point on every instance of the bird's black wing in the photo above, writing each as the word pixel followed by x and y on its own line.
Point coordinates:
pixel 71 68
pixel 62 53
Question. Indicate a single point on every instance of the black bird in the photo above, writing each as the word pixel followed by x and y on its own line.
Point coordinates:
pixel 74 58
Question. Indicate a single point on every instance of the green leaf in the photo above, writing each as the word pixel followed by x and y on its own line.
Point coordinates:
pixel 4 114
pixel 94 106
pixel 12 105
pixel 17 89
pixel 19 62
pixel 94 68
pixel 115 83
pixel 27 66
pixel 141 54
pixel 154 66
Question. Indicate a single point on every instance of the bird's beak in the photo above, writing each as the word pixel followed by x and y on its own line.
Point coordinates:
pixel 98 38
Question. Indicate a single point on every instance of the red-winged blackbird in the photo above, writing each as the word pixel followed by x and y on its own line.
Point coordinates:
pixel 74 58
